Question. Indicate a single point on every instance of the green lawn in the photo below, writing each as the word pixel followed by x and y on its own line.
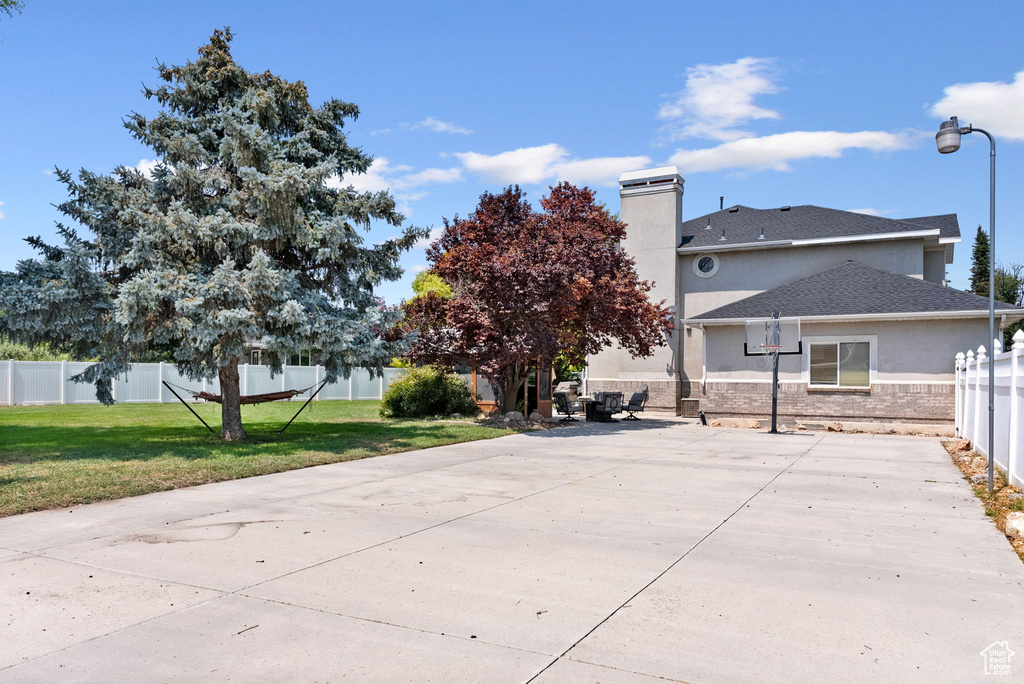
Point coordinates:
pixel 54 456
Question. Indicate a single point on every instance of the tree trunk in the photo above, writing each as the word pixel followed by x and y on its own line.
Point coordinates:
pixel 230 407
pixel 511 393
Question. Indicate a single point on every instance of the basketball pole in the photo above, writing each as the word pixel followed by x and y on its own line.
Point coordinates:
pixel 775 395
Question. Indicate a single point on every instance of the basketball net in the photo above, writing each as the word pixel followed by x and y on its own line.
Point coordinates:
pixel 772 344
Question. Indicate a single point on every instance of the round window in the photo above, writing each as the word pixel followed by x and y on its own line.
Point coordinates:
pixel 705 265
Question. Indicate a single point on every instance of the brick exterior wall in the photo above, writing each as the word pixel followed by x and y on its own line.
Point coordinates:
pixel 910 402
pixel 663 395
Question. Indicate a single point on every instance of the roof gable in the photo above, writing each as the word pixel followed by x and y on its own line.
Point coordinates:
pixel 744 225
pixel 853 289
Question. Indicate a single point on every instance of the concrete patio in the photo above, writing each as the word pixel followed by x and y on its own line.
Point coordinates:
pixel 630 552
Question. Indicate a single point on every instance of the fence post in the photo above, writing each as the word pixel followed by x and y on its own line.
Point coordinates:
pixel 1016 351
pixel 351 376
pixel 968 406
pixel 63 381
pixel 978 360
pixel 381 384
pixel 958 420
pixel 160 387
pixel 316 377
pixel 10 381
pixel 245 379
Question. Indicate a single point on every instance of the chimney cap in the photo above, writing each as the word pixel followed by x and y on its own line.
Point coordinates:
pixel 662 174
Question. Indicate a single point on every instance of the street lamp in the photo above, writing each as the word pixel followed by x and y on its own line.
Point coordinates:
pixel 948 141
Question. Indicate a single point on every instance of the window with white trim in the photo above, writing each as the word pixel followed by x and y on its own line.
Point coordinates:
pixel 840 364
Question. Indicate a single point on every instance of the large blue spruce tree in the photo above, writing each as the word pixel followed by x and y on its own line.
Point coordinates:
pixel 241 234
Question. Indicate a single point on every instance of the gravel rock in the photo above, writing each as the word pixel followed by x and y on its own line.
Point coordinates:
pixel 835 427
pixel 754 425
pixel 1015 525
pixel 979 478
pixel 536 417
pixel 514 417
pixel 960 445
pixel 716 423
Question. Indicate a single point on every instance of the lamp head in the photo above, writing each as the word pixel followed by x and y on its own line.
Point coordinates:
pixel 948 137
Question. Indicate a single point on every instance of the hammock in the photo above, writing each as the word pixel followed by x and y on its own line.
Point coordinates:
pixel 253 398
pixel 247 399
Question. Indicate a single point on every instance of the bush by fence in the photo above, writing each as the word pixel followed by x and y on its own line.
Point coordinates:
pixel 972 405
pixel 427 391
pixel 47 382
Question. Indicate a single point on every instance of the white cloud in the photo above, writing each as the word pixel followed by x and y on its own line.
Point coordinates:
pixel 146 166
pixel 383 176
pixel 423 243
pixel 525 165
pixel 418 269
pixel 429 176
pixel 872 212
pixel 777 151
pixel 439 126
pixel 371 181
pixel 547 163
pixel 599 170
pixel 719 97
pixel 994 106
pixel 2 215
pixel 411 196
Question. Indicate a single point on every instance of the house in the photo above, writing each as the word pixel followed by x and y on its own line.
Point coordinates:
pixel 879 328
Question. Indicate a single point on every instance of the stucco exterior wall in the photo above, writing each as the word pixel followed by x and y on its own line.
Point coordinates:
pixel 906 351
pixel 745 273
pixel 653 216
pixel 935 266
pixel 911 378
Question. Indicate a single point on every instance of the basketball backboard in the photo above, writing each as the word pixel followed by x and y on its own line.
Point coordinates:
pixel 772 335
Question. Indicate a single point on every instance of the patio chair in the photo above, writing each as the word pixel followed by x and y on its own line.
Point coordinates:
pixel 565 407
pixel 636 404
pixel 570 388
pixel 611 403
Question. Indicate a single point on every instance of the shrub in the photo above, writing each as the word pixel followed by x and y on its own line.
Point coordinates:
pixel 24 352
pixel 427 391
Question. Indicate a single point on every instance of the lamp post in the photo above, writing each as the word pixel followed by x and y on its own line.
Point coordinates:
pixel 948 141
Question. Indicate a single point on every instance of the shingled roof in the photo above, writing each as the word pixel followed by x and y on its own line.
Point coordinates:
pixel 744 225
pixel 853 289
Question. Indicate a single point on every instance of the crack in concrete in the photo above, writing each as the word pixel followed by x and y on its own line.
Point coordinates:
pixel 678 560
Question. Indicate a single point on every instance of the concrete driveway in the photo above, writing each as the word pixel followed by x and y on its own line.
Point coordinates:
pixel 633 552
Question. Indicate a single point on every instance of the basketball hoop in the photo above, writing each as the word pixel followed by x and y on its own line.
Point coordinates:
pixel 771 338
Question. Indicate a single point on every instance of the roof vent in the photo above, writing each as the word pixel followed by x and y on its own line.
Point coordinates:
pixel 708 227
pixel 762 235
pixel 722 239
pixel 784 209
pixel 733 210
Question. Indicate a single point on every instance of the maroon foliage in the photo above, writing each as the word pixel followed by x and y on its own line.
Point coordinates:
pixel 530 284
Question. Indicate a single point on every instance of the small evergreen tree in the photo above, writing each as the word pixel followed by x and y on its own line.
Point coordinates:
pixel 979 264
pixel 1010 289
pixel 241 235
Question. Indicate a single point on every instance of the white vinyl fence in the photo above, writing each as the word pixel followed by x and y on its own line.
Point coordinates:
pixel 47 382
pixel 972 405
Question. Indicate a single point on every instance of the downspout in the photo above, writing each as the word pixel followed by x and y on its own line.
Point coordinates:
pixel 703 359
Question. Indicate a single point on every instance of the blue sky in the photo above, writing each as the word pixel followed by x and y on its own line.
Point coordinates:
pixel 766 103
